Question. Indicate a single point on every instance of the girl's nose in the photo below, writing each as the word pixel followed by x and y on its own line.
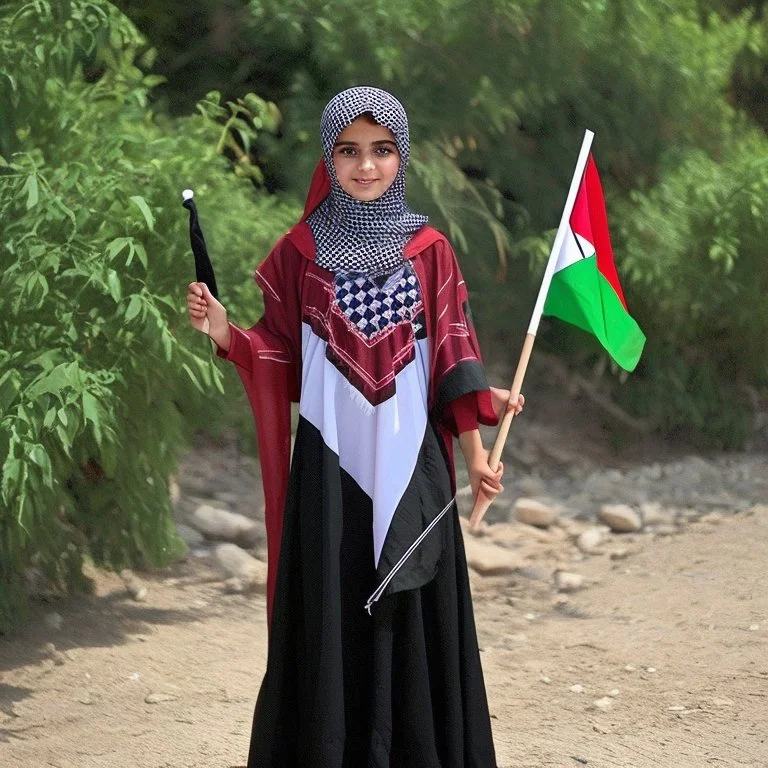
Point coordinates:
pixel 366 163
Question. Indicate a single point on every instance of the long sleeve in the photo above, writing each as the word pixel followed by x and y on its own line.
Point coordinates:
pixel 457 367
pixel 463 413
pixel 267 359
pixel 274 339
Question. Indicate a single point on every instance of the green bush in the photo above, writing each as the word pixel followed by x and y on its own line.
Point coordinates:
pixel 102 381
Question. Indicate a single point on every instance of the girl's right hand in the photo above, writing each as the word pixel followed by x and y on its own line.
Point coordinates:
pixel 206 314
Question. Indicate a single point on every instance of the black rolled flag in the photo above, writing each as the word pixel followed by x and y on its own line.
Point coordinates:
pixel 203 266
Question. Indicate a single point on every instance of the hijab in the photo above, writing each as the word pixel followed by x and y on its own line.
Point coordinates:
pixel 358 236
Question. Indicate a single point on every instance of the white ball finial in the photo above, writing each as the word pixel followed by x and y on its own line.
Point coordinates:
pixel 187 194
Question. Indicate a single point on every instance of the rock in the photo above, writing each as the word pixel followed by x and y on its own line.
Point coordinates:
pixel 534 512
pixel 218 523
pixel 192 538
pixel 568 582
pixel 238 564
pixel 620 518
pixel 57 657
pixel 54 620
pixel 576 688
pixel 605 703
pixel 234 586
pixel 620 554
pixel 159 698
pixel 654 514
pixel 489 559
pixel 614 693
pixel 589 540
pixel 133 585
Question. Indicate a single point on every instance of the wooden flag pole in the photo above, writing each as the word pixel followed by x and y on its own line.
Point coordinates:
pixel 483 502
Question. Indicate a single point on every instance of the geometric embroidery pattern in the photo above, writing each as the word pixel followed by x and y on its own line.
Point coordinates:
pixel 372 308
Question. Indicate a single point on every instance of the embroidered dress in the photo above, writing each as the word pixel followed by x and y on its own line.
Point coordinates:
pixel 379 362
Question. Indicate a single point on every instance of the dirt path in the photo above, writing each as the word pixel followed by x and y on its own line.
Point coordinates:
pixel 671 642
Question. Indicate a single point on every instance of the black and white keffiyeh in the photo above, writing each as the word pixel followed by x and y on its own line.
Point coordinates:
pixel 354 235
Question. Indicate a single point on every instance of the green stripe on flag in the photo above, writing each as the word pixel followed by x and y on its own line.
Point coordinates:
pixel 580 295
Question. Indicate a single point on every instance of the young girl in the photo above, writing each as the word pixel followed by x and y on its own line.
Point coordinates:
pixel 366 324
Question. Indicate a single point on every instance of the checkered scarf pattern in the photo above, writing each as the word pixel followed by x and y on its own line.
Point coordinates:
pixel 354 235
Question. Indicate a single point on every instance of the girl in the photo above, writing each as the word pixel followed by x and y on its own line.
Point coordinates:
pixel 366 324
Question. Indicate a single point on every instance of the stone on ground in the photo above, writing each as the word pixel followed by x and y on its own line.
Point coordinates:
pixel 238 564
pixel 620 518
pixel 489 559
pixel 534 512
pixel 218 523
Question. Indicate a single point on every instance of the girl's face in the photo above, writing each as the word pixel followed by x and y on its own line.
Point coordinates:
pixel 366 159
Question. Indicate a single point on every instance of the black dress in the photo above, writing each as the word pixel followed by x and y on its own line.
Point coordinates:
pixel 377 365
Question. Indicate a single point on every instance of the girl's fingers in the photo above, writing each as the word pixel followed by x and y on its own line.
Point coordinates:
pixel 492 476
pixel 492 480
pixel 490 490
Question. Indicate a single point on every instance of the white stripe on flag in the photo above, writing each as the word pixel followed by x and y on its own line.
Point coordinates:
pixel 570 252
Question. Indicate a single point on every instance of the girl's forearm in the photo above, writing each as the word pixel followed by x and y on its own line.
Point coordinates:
pixel 471 445
pixel 222 336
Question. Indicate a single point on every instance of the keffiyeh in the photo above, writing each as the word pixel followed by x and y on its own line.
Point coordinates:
pixel 354 235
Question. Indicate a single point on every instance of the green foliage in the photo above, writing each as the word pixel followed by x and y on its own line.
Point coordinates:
pixel 499 94
pixel 102 380
pixel 695 250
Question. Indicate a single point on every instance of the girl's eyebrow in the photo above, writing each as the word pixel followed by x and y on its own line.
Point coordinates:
pixel 355 144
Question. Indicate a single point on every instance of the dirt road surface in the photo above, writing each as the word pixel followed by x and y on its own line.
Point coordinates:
pixel 661 659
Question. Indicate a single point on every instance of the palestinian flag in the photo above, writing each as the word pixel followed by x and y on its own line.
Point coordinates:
pixel 585 289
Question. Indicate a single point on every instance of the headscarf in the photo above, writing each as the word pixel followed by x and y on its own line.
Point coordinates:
pixel 354 235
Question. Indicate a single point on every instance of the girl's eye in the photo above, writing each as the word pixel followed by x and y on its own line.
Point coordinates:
pixel 383 151
pixel 346 151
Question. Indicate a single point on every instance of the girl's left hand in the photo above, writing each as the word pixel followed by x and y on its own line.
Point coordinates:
pixel 501 404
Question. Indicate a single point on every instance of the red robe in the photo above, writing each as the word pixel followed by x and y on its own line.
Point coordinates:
pixel 268 355
pixel 401 686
